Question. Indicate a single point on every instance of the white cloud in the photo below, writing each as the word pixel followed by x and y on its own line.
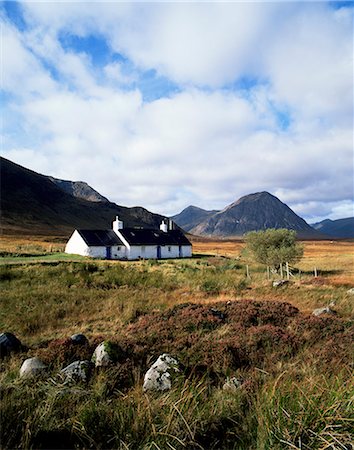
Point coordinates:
pixel 205 146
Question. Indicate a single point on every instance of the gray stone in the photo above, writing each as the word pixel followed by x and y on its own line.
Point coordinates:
pixel 350 291
pixel 324 310
pixel 79 339
pixel 158 377
pixel 77 371
pixel 278 283
pixel 106 354
pixel 9 344
pixel 232 384
pixel 32 367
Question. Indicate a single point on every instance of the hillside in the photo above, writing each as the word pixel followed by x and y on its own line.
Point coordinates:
pixel 341 228
pixel 79 189
pixel 32 204
pixel 191 216
pixel 254 212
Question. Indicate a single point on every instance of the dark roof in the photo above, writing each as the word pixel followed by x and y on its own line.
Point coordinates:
pixel 141 236
pixel 100 237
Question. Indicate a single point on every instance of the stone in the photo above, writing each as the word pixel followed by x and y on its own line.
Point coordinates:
pixel 232 384
pixel 324 310
pixel 158 377
pixel 32 367
pixel 106 354
pixel 77 371
pixel 79 339
pixel 9 344
pixel 278 283
pixel 350 291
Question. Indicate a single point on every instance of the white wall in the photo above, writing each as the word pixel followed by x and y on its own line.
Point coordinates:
pixel 77 246
pixel 150 251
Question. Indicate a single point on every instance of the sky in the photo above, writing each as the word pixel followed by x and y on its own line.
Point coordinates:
pixel 169 104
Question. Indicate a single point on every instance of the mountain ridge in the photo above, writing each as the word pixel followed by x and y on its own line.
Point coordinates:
pixel 251 212
pixel 31 204
pixel 339 228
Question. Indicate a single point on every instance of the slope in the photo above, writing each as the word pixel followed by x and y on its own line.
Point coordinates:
pixel 32 204
pixel 254 212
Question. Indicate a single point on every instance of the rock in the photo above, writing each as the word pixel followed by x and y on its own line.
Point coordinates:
pixel 77 371
pixel 217 313
pixel 351 291
pixel 158 377
pixel 324 310
pixel 9 344
pixel 106 354
pixel 79 339
pixel 232 384
pixel 32 367
pixel 278 283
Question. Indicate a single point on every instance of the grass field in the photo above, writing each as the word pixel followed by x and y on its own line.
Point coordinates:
pixel 298 389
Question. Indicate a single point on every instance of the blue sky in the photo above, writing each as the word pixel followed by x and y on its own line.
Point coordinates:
pixel 169 104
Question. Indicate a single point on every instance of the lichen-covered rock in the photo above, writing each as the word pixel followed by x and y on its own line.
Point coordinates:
pixel 32 367
pixel 232 384
pixel 79 339
pixel 9 344
pixel 158 377
pixel 77 371
pixel 106 354
pixel 324 310
pixel 279 283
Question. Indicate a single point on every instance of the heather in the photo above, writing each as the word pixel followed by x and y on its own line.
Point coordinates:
pixel 295 368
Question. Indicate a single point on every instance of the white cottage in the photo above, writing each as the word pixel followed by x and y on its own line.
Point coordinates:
pixel 130 243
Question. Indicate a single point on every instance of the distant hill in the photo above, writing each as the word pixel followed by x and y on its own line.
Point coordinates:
pixel 252 212
pixel 191 216
pixel 32 204
pixel 340 228
pixel 79 189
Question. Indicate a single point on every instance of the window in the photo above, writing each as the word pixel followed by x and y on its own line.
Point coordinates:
pixel 118 248
pixel 169 249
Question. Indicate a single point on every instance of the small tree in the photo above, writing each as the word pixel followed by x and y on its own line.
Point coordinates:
pixel 274 247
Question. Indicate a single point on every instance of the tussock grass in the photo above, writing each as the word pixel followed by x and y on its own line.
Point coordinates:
pixel 298 390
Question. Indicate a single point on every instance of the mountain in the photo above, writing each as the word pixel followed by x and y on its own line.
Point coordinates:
pixel 254 212
pixel 79 189
pixel 32 204
pixel 191 216
pixel 340 228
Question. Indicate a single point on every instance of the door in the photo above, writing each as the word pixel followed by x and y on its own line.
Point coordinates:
pixel 159 252
pixel 180 251
pixel 108 252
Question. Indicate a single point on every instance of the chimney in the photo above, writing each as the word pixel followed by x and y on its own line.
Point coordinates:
pixel 164 226
pixel 117 225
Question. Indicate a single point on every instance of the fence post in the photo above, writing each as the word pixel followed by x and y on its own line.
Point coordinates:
pixel 287 271
pixel 281 270
pixel 247 271
pixel 268 274
pixel 315 272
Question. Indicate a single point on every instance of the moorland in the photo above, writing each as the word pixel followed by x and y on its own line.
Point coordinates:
pixel 296 368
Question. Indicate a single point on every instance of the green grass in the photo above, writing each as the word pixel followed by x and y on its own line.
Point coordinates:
pixel 298 390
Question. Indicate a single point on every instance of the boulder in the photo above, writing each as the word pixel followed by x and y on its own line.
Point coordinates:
pixel 77 371
pixel 158 377
pixel 79 339
pixel 324 310
pixel 232 384
pixel 32 367
pixel 350 291
pixel 106 353
pixel 278 283
pixel 9 344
